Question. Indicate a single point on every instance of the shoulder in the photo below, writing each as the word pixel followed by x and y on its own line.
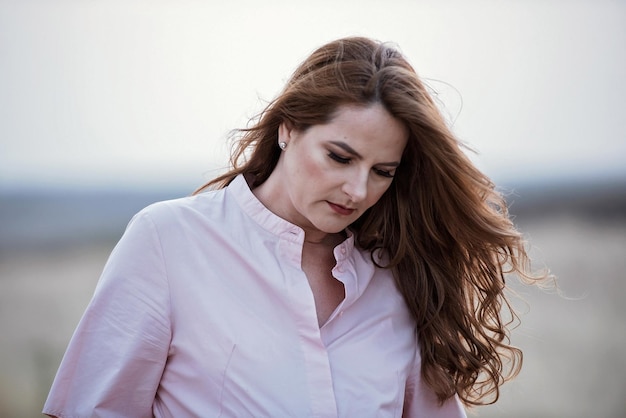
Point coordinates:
pixel 202 206
pixel 206 219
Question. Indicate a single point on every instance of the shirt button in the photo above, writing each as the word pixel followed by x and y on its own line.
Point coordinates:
pixel 343 250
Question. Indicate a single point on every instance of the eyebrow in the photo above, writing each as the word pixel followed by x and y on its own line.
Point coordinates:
pixel 347 148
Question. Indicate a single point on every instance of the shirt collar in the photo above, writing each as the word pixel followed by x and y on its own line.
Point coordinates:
pixel 239 188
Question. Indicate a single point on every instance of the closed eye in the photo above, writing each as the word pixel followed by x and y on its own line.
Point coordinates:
pixel 338 158
pixel 383 173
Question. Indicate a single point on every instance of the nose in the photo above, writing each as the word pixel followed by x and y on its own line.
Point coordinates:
pixel 355 186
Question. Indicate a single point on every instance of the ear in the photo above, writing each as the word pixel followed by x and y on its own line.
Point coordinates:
pixel 285 132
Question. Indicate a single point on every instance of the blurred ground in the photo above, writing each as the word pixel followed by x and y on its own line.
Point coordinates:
pixel 574 343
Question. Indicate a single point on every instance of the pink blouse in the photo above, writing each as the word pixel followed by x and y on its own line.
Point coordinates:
pixel 203 310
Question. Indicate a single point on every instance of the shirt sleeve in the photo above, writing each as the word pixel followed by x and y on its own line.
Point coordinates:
pixel 421 401
pixel 117 354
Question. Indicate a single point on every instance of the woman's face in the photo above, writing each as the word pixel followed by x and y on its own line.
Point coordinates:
pixel 330 174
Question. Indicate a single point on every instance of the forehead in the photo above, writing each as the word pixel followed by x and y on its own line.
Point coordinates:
pixel 367 128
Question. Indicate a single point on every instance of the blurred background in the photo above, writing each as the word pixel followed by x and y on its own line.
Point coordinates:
pixel 106 107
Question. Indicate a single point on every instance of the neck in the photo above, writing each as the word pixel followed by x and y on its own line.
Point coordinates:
pixel 330 240
pixel 271 194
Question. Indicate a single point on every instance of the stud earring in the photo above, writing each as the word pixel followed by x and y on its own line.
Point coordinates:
pixel 282 145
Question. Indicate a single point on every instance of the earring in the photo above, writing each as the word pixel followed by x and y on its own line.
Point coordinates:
pixel 282 145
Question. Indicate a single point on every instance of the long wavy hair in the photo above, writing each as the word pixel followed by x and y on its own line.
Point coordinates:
pixel 442 223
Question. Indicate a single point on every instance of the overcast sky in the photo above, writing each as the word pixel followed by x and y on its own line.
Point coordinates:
pixel 143 93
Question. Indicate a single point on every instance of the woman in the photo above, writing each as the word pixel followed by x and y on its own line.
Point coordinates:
pixel 349 264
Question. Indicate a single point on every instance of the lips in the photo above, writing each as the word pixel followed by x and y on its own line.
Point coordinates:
pixel 342 210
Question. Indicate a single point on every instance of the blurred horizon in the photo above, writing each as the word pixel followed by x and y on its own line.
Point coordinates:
pixel 182 185
pixel 33 218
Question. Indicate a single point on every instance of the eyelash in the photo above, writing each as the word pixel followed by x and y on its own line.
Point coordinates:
pixel 339 159
pixel 383 173
pixel 342 160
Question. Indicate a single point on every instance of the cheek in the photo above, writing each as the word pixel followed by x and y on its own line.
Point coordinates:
pixel 311 170
pixel 376 192
pixel 313 166
pixel 307 179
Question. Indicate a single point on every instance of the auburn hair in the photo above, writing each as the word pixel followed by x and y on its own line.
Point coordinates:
pixel 443 225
